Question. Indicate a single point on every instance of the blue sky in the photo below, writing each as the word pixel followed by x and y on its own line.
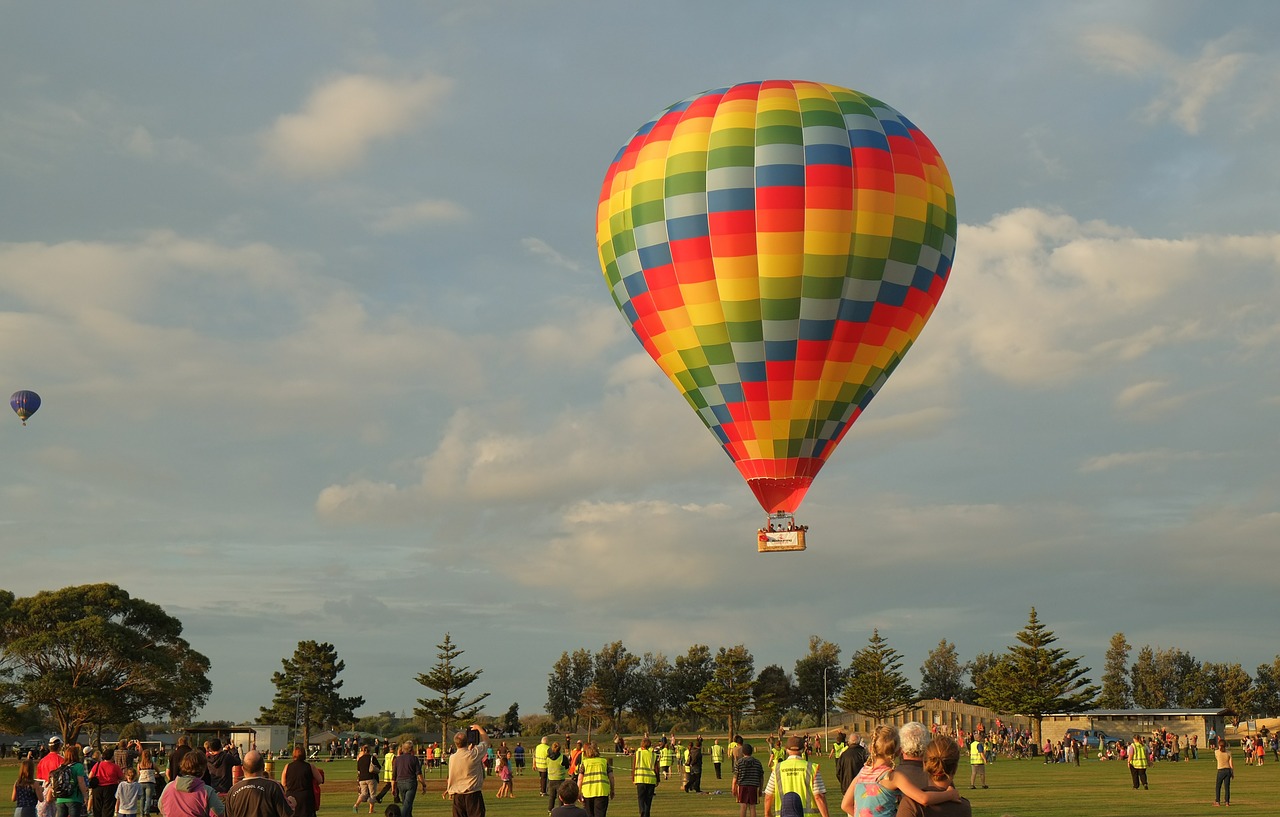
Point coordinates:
pixel 310 292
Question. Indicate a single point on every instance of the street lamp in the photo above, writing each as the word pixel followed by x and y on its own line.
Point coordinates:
pixel 826 710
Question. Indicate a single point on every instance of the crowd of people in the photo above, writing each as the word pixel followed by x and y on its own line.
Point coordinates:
pixel 898 770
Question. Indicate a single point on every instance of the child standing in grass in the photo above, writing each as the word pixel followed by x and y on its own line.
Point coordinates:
pixel 128 793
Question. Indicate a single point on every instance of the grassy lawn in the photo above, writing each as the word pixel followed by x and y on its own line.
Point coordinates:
pixel 1025 788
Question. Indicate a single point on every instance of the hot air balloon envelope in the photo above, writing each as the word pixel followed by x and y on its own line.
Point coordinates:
pixel 777 247
pixel 24 404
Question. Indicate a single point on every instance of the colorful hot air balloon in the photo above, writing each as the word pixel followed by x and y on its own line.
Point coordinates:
pixel 25 404
pixel 777 247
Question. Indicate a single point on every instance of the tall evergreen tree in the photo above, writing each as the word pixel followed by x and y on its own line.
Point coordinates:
pixel 1148 686
pixel 614 677
pixel 979 667
pixel 1034 678
pixel 942 674
pixel 773 693
pixel 876 685
pixel 448 679
pixel 1116 692
pixel 818 678
pixel 728 694
pixel 570 676
pixel 691 673
pixel 307 691
pixel 649 700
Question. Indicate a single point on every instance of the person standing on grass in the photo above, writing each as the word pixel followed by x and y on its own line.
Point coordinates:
pixel 540 766
pixel 644 774
pixel 748 777
pixel 1226 771
pixel 408 775
pixel 366 778
pixel 466 772
pixel 1138 762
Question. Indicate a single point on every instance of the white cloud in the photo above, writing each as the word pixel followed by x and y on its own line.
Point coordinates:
pixel 1187 85
pixel 1155 459
pixel 426 213
pixel 1041 299
pixel 541 249
pixel 344 116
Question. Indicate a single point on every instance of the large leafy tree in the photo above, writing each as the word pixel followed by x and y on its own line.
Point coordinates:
pixel 876 685
pixel 649 698
pixel 307 691
pixel 818 678
pixel 614 678
pixel 772 693
pixel 1116 691
pixel 982 664
pixel 1227 685
pixel 1264 698
pixel 691 673
pixel 94 654
pixel 450 680
pixel 942 673
pixel 1034 678
pixel 570 676
pixel 1149 688
pixel 728 694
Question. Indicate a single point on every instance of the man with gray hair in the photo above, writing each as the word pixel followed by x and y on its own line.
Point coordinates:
pixel 914 737
pixel 257 795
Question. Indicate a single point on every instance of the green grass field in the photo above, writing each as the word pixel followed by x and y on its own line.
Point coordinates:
pixel 1026 788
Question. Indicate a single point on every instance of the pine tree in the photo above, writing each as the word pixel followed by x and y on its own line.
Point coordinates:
pixel 1034 678
pixel 876 685
pixel 1116 692
pixel 942 674
pixel 449 680
pixel 307 691
pixel 728 694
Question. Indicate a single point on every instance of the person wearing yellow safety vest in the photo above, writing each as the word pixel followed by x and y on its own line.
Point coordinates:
pixel 540 766
pixel 388 775
pixel 557 768
pixel 717 756
pixel 977 761
pixel 1138 762
pixel 595 781
pixel 795 775
pixel 838 745
pixel 666 756
pixel 644 773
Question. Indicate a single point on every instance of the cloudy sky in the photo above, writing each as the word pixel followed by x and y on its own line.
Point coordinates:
pixel 310 291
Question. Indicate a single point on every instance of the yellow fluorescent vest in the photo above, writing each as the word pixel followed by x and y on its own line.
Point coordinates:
pixel 540 756
pixel 795 774
pixel 643 769
pixel 977 753
pixel 388 773
pixel 555 768
pixel 595 777
pixel 1138 756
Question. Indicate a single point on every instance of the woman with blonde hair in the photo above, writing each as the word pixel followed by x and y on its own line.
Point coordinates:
pixel 877 788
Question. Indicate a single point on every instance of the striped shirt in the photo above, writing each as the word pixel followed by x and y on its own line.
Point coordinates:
pixel 749 771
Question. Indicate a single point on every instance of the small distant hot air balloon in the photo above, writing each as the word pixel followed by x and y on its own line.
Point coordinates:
pixel 777 247
pixel 25 404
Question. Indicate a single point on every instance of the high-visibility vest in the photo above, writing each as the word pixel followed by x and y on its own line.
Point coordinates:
pixel 595 777
pixel 540 756
pixel 717 754
pixel 668 755
pixel 555 768
pixel 779 754
pixel 686 760
pixel 1138 756
pixel 388 773
pixel 795 774
pixel 977 753
pixel 839 748
pixel 642 771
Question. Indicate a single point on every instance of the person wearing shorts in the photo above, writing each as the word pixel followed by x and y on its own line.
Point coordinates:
pixel 748 777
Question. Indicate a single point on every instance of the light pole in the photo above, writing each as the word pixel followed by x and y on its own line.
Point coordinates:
pixel 826 709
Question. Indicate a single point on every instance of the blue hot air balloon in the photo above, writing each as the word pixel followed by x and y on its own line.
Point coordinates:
pixel 25 404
